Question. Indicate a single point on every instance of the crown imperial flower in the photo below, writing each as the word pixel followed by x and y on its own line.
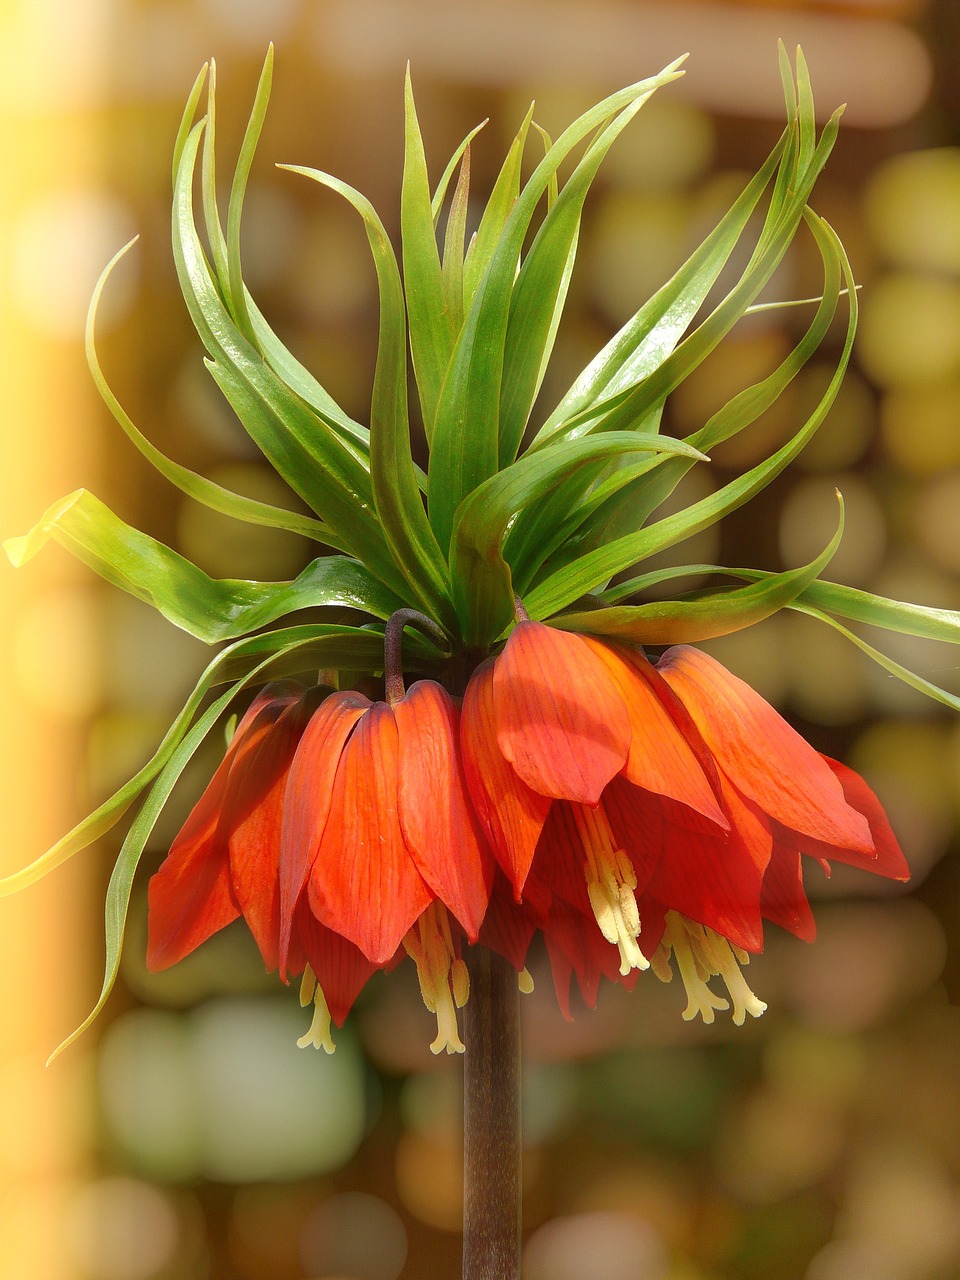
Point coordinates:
pixel 540 774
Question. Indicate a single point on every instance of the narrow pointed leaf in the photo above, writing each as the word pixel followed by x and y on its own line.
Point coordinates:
pixel 706 615
pixel 208 193
pixel 598 566
pixel 439 195
pixel 212 609
pixel 453 248
pixel 481 575
pixel 466 435
pixel 431 329
pixel 189 482
pixel 396 492
pixel 238 188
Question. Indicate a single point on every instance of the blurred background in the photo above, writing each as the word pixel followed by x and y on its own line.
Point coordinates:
pixel 185 1136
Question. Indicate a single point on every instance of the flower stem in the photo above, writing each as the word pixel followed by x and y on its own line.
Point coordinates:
pixel 393 646
pixel 491 1120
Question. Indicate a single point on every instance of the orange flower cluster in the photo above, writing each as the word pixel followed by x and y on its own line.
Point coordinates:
pixel 637 815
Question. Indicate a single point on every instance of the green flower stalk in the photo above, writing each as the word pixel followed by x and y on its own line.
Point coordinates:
pixel 539 774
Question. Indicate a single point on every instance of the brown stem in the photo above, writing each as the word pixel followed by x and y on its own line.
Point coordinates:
pixel 491 1120
pixel 393 647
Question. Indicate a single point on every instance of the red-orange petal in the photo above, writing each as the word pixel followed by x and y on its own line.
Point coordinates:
pixel 660 760
pixel 511 814
pixel 340 967
pixel 766 759
pixel 190 897
pixel 252 810
pixel 888 859
pixel 561 720
pixel 716 879
pixel 782 897
pixel 189 900
pixel 436 817
pixel 306 801
pixel 363 883
pixel 508 928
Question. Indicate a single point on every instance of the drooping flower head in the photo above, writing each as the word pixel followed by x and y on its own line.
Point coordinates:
pixel 669 802
pixel 524 769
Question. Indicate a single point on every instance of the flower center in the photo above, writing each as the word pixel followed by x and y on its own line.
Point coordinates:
pixel 318 1034
pixel 444 981
pixel 611 882
pixel 701 955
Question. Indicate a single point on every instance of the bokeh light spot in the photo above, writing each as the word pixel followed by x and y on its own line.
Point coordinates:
pixel 122 1229
pixel 808 520
pixel 267 1109
pixel 62 243
pixel 912 207
pixel 354 1234
pixel 910 330
pixel 919 427
pixel 596 1246
pixel 64 679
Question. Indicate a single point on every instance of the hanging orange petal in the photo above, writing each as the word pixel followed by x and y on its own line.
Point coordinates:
pixel 252 811
pixel 511 814
pixel 436 818
pixel 661 759
pixel 561 719
pixel 363 883
pixel 306 801
pixel 766 759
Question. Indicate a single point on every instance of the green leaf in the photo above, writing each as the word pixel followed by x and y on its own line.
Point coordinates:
pixel 312 457
pixel 599 565
pixel 235 286
pixel 187 119
pixel 453 247
pixel 431 328
pixel 483 589
pixel 395 488
pixel 436 203
pixel 465 450
pixel 540 289
pixel 189 482
pixel 208 195
pixel 652 333
pixel 706 614
pixel 212 609
pixel 502 198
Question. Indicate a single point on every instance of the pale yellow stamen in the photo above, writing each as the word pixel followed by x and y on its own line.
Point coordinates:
pixel 611 885
pixel 318 1034
pixel 444 981
pixel 525 981
pixel 702 954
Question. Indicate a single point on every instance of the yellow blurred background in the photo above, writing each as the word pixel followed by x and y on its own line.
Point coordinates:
pixel 186 1137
